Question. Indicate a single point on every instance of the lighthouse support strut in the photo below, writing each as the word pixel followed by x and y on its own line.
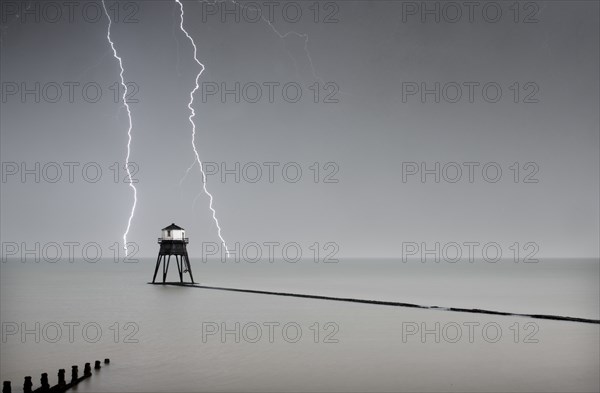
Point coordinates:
pixel 182 261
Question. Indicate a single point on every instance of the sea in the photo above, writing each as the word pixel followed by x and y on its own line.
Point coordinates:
pixel 162 338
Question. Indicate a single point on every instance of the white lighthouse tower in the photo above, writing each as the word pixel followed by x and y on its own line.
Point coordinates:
pixel 173 243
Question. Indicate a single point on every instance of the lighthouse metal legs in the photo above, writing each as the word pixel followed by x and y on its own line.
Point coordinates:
pixel 157 266
pixel 166 268
pixel 183 266
pixel 189 267
pixel 179 269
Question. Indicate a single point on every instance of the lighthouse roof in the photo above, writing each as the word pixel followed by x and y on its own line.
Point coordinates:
pixel 172 227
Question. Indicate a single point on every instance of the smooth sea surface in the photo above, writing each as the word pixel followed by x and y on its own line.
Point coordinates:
pixel 168 338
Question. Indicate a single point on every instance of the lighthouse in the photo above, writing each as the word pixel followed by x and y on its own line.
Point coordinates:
pixel 173 243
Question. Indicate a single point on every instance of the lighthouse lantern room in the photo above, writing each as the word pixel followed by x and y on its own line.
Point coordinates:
pixel 173 243
pixel 173 232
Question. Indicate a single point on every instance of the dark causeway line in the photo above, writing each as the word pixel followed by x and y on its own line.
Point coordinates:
pixel 387 303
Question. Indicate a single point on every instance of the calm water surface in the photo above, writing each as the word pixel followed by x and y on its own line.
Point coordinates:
pixel 171 339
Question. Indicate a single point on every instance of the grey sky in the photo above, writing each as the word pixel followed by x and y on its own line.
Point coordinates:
pixel 369 53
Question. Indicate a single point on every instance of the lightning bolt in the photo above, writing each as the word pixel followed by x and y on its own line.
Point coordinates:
pixel 303 36
pixel 125 91
pixel 191 119
pixel 281 36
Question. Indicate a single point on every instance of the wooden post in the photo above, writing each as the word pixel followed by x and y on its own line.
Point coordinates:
pixel 27 385
pixel 74 374
pixel 62 385
pixel 44 382
pixel 87 370
pixel 61 377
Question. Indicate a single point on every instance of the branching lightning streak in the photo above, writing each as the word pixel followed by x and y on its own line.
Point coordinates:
pixel 125 91
pixel 191 118
pixel 304 36
pixel 282 36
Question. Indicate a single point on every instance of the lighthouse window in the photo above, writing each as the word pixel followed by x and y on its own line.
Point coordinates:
pixel 169 233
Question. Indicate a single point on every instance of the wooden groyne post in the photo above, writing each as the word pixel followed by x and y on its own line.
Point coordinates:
pixel 62 385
